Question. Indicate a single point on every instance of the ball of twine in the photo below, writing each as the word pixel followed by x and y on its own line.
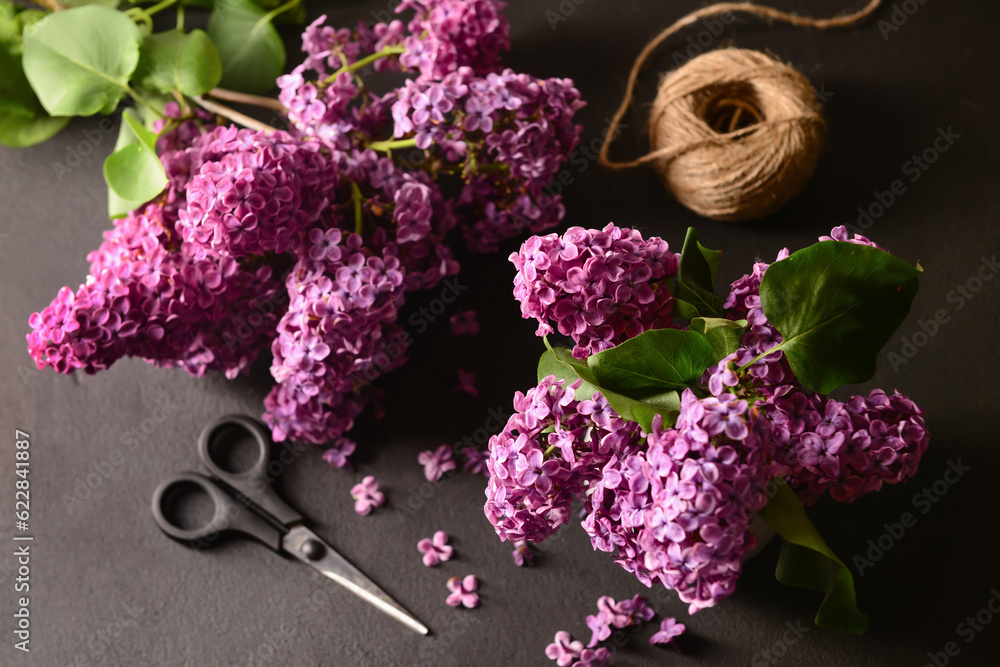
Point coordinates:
pixel 738 134
pixel 735 134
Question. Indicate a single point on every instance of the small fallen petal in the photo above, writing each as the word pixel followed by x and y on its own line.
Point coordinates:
pixel 669 630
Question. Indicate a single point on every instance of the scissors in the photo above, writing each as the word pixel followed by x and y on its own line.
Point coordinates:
pixel 245 502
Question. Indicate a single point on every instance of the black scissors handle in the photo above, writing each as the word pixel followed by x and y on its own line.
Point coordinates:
pixel 254 483
pixel 228 515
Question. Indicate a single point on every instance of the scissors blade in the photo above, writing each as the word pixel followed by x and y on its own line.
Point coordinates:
pixel 301 542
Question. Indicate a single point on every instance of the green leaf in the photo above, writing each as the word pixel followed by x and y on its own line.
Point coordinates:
pixel 836 304
pixel 725 336
pixel 172 60
pixel 807 562
pixel 684 309
pixel 133 172
pixel 653 362
pixel 561 363
pixel 79 60
pixel 23 121
pixel 696 276
pixel 253 55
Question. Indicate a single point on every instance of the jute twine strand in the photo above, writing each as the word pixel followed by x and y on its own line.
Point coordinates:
pixel 734 133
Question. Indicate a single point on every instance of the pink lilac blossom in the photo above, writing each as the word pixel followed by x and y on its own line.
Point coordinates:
pixel 436 549
pixel 522 554
pixel 593 657
pixel 611 614
pixel 448 34
pixel 437 462
pixel 475 460
pixel 367 496
pixel 337 455
pixel 669 630
pixel 463 592
pixel 535 474
pixel 848 449
pixel 679 511
pixel 599 287
pixel 564 650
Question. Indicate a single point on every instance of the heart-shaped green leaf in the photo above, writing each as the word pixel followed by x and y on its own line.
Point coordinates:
pixel 253 55
pixel 653 362
pixel 696 276
pixel 836 304
pixel 133 172
pixel 560 362
pixel 725 336
pixel 79 61
pixel 172 60
pixel 807 562
pixel 23 121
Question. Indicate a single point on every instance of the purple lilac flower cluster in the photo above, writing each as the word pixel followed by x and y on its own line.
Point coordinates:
pixel 598 286
pixel 850 448
pixel 154 295
pixel 503 134
pixel 674 505
pixel 309 240
pixel 678 511
pixel 511 132
pixel 552 449
pixel 847 448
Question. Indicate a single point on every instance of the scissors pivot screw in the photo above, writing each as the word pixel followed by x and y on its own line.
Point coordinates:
pixel 313 550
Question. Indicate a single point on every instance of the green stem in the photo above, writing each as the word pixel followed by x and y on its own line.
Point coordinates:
pixel 138 15
pixel 548 451
pixel 180 18
pixel 389 145
pixel 291 4
pixel 356 196
pixel 760 356
pixel 143 101
pixel 387 51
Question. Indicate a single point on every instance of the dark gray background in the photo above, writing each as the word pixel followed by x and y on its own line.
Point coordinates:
pixel 107 588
